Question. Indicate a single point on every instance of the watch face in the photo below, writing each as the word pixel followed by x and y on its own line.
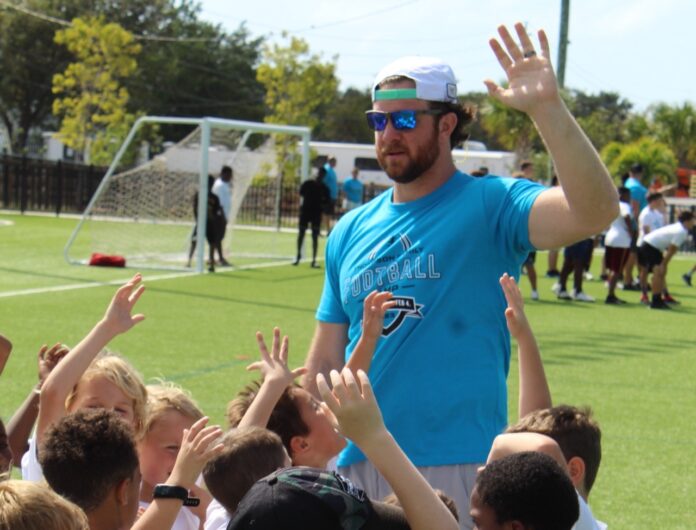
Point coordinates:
pixel 164 491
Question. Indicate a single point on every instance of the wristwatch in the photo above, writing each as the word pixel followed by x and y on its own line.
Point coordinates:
pixel 166 491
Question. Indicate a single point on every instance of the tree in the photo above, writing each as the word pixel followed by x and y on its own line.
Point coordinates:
pixel 657 158
pixel 28 59
pixel 92 102
pixel 214 75
pixel 345 120
pixel 676 127
pixel 299 86
pixel 602 116
pixel 513 129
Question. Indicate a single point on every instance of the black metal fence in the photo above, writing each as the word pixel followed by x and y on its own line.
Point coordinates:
pixel 30 184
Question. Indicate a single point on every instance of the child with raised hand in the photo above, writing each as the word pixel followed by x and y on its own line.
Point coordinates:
pixel 276 378
pixel 199 444
pixel 20 425
pixel 358 417
pixel 171 411
pixel 534 391
pixel 85 379
pixel 375 306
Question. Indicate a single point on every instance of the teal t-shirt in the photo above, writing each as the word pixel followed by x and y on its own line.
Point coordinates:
pixel 353 190
pixel 439 371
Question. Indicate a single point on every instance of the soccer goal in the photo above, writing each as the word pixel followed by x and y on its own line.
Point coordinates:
pixel 146 214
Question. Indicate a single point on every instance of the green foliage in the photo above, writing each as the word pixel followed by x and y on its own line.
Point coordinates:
pixel 657 158
pixel 92 102
pixel 299 85
pixel 512 128
pixel 345 120
pixel 212 76
pixel 676 126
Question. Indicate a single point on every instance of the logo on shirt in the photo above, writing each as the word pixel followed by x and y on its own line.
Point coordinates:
pixel 402 238
pixel 406 307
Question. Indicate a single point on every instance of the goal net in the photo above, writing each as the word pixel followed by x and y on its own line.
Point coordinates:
pixel 146 214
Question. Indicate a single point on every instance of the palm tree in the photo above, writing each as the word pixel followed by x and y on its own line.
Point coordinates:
pixel 676 127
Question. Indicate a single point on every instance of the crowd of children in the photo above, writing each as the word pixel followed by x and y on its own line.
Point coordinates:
pixel 111 453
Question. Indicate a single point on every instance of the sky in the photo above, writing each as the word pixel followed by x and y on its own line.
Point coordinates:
pixel 642 49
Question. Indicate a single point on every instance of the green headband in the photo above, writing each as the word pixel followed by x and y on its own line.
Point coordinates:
pixel 396 93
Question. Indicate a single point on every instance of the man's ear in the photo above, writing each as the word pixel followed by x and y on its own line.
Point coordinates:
pixel 576 469
pixel 447 123
pixel 513 525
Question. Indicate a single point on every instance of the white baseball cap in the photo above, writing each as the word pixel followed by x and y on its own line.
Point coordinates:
pixel 434 80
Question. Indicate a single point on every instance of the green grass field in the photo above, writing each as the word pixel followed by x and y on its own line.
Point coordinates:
pixel 635 367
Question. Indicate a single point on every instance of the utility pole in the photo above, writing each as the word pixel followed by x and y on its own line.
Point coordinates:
pixel 563 42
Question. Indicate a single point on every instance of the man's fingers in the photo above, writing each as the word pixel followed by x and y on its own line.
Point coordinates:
pixel 503 59
pixel 510 44
pixel 544 44
pixel 527 46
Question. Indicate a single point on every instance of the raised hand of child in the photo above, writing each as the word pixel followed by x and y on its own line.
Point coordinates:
pixel 375 306
pixel 49 358
pixel 514 314
pixel 118 315
pixel 353 405
pixel 274 364
pixel 199 444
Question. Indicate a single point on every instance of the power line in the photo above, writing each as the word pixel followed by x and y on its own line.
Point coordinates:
pixel 65 23
pixel 358 17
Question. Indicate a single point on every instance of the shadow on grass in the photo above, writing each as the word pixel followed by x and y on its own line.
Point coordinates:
pixel 599 346
pixel 255 302
pixel 37 274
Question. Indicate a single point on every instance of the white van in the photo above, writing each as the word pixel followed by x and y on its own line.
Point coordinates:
pixel 472 157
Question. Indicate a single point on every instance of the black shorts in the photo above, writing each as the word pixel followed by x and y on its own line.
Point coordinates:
pixel 310 218
pixel 649 256
pixel 531 258
pixel 580 251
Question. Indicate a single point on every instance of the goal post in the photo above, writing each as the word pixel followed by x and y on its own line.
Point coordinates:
pixel 145 214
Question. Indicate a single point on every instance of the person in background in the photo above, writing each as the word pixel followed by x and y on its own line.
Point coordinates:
pixel 314 195
pixel 353 190
pixel 223 190
pixel 331 183
pixel 639 193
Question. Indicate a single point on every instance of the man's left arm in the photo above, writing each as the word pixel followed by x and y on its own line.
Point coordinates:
pixel 586 201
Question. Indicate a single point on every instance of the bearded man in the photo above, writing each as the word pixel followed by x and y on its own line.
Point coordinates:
pixel 439 240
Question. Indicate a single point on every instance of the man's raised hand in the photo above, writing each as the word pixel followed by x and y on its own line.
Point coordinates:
pixel 531 80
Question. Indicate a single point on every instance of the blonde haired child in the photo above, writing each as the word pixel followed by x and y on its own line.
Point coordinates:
pixel 30 506
pixel 171 411
pixel 86 380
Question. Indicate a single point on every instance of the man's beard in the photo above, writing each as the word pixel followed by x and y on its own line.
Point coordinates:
pixel 425 156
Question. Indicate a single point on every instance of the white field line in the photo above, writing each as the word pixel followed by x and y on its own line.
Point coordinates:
pixel 146 279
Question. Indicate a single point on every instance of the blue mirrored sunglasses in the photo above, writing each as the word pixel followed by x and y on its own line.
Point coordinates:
pixel 402 120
